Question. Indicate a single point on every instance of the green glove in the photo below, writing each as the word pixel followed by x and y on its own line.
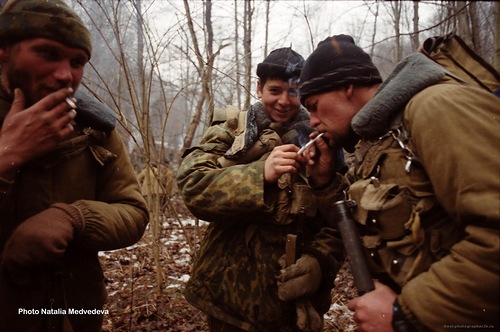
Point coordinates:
pixel 301 279
pixel 42 238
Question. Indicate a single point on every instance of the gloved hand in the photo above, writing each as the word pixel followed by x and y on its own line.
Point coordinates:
pixel 301 279
pixel 308 319
pixel 42 238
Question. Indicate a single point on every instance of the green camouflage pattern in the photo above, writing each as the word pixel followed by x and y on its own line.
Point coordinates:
pixel 234 273
pixel 54 19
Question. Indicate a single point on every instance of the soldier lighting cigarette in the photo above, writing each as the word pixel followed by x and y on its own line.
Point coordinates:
pixel 70 102
pixel 308 144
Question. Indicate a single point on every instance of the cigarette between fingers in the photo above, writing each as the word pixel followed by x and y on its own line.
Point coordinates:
pixel 70 102
pixel 308 144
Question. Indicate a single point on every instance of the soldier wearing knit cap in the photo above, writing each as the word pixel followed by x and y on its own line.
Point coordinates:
pixel 426 197
pixel 54 19
pixel 61 198
pixel 342 63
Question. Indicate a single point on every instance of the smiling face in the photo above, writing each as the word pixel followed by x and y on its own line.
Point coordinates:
pixel 279 98
pixel 41 66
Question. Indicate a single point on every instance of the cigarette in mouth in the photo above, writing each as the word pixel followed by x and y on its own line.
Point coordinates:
pixel 308 144
pixel 70 102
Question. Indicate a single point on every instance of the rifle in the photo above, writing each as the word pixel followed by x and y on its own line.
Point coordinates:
pixel 353 247
pixel 356 253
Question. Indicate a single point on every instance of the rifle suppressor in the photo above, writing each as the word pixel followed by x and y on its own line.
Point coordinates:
pixel 353 247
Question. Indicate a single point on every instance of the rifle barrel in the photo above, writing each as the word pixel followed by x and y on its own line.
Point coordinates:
pixel 353 247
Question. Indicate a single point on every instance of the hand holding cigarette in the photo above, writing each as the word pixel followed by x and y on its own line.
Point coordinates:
pixel 70 102
pixel 308 144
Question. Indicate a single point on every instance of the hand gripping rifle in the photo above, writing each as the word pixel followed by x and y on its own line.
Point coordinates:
pixel 353 247
pixel 356 253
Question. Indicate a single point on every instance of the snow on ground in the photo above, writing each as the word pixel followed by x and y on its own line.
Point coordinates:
pixel 137 301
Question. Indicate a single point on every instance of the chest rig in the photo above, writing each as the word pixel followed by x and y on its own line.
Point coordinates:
pixel 403 227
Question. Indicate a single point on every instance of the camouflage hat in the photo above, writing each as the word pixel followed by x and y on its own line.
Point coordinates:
pixel 52 19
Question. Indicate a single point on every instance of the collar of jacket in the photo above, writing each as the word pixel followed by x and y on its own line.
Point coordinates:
pixel 415 73
pixel 296 131
pixel 92 113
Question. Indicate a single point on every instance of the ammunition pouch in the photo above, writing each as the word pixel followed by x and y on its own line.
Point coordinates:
pixel 403 230
pixel 295 199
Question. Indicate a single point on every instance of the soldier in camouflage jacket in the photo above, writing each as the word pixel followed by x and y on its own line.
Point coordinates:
pixel 247 181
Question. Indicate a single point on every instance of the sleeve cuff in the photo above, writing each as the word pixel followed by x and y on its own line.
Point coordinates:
pixel 410 317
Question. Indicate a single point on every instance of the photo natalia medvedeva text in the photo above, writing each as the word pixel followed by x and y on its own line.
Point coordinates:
pixel 59 311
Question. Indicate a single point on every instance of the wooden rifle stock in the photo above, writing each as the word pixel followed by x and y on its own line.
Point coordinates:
pixel 353 247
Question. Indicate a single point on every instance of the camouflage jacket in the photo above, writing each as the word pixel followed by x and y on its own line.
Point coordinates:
pixel 234 273
pixel 428 195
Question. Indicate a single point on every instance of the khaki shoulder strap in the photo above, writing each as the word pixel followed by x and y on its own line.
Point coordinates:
pixel 224 114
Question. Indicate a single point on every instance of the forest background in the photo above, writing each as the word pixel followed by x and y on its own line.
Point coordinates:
pixel 163 66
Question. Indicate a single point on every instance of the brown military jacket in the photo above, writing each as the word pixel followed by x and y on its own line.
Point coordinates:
pixel 92 171
pixel 234 273
pixel 428 194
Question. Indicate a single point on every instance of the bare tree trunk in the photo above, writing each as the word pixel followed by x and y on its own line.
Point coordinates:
pixel 305 13
pixel 462 22
pixel 237 54
pixel 372 48
pixel 144 122
pixel 267 28
pixel 475 28
pixel 396 12
pixel 496 57
pixel 202 70
pixel 415 43
pixel 247 42
pixel 149 147
pixel 207 78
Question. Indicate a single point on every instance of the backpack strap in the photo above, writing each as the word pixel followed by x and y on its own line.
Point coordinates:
pixel 461 62
pixel 230 114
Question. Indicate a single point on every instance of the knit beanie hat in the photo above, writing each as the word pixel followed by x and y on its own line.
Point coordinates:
pixel 336 62
pixel 283 63
pixel 51 19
